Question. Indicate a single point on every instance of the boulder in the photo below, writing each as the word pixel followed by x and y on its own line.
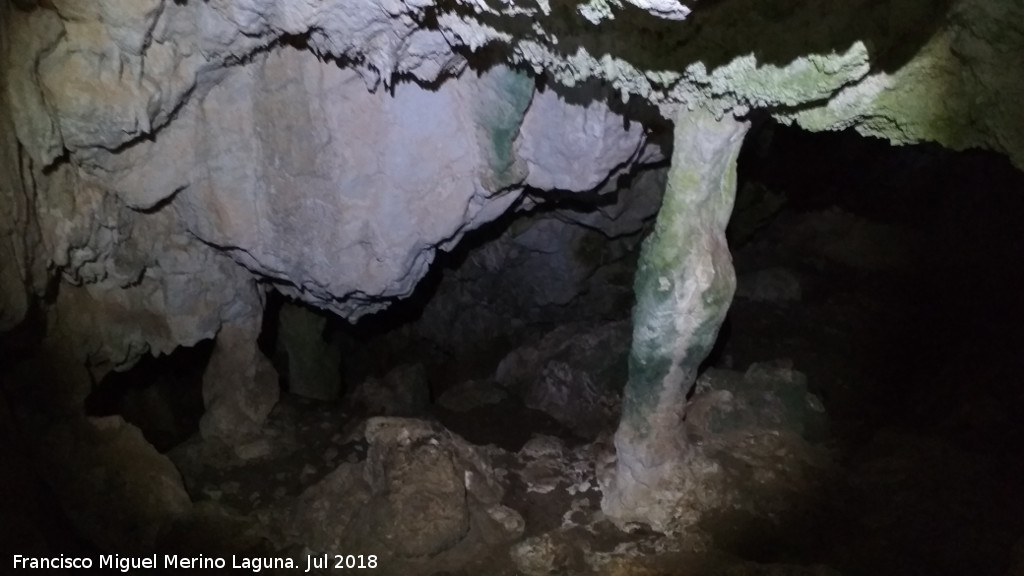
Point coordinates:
pixel 118 491
pixel 575 374
pixel 420 491
pixel 403 391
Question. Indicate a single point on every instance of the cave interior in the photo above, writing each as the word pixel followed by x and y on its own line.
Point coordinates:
pixel 857 406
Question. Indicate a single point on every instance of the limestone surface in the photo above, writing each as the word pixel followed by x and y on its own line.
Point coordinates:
pixel 684 285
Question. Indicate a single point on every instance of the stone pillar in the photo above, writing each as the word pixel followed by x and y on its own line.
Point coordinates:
pixel 684 285
pixel 239 384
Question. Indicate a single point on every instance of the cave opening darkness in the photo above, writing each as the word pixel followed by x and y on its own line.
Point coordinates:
pixel 885 275
pixel 161 395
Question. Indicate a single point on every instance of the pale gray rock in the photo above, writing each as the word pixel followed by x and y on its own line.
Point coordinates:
pixel 768 396
pixel 544 464
pixel 167 50
pixel 135 284
pixel 667 9
pixel 323 515
pixel 172 54
pixel 132 286
pixel 156 137
pixel 253 450
pixel 34 33
pixel 17 230
pixel 541 446
pixel 424 511
pixel 547 464
pixel 132 283
pixel 575 147
pixel 545 555
pixel 277 185
pixel 239 385
pixel 98 104
pixel 503 524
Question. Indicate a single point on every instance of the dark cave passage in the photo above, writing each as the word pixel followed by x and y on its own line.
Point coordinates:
pixel 162 396
pixel 887 275
pixel 920 238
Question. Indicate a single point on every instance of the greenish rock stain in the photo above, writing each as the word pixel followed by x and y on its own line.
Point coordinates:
pixel 692 219
pixel 667 244
pixel 661 256
pixel 649 360
pixel 499 120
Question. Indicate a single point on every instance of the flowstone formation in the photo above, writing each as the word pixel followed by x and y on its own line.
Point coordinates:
pixel 684 284
pixel 166 163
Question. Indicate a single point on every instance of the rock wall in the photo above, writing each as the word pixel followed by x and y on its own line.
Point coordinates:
pixel 264 126
pixel 167 157
pixel 276 157
pixel 235 116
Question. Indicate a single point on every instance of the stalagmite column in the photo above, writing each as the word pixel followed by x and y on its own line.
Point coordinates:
pixel 239 384
pixel 684 285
